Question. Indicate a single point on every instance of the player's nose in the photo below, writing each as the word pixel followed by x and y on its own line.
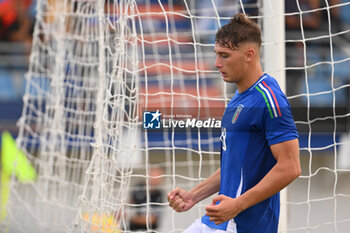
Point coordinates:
pixel 218 62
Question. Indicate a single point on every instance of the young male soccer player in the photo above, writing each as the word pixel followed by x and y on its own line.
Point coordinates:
pixel 259 142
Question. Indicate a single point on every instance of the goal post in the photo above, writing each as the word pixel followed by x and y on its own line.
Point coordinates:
pixel 274 64
pixel 274 41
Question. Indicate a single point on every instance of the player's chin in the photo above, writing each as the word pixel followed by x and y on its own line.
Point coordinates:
pixel 227 79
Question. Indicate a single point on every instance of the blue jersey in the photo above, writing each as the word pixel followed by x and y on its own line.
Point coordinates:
pixel 253 120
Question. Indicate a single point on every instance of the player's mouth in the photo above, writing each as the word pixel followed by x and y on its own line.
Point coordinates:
pixel 223 74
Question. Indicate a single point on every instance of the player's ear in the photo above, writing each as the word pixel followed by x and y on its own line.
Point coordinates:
pixel 249 54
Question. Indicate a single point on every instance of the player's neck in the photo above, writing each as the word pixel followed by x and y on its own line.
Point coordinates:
pixel 251 76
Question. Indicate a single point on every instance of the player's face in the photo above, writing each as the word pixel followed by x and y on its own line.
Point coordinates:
pixel 230 63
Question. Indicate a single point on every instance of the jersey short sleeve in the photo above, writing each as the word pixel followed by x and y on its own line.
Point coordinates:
pixel 279 124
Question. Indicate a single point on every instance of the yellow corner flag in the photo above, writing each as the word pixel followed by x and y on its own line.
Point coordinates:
pixel 12 161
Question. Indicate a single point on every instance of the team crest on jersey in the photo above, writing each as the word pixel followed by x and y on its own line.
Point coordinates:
pixel 237 112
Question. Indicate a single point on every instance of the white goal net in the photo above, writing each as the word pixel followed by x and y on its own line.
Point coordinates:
pixel 102 72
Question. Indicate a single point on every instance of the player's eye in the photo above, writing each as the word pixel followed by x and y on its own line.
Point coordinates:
pixel 225 55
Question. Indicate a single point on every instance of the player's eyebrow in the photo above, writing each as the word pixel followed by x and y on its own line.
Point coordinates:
pixel 220 53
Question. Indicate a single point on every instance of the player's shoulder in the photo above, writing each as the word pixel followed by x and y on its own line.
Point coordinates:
pixel 270 83
pixel 268 90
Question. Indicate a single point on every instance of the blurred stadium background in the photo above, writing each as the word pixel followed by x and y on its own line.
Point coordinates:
pixel 317 52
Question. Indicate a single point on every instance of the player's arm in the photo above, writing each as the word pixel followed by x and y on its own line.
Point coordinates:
pixel 181 200
pixel 283 173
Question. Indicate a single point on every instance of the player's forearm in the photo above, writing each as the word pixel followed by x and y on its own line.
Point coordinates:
pixel 282 174
pixel 207 187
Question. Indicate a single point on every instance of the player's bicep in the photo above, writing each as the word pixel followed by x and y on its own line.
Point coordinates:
pixel 287 150
pixel 287 155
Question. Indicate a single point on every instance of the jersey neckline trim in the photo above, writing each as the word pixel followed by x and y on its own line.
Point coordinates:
pixel 251 87
pixel 259 81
